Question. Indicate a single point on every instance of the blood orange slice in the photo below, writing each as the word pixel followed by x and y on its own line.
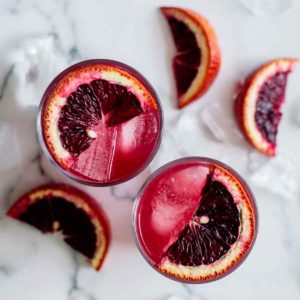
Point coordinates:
pixel 198 57
pixel 61 208
pixel 100 122
pixel 258 103
pixel 208 223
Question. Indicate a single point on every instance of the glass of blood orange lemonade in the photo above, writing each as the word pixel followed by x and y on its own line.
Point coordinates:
pixel 195 220
pixel 100 122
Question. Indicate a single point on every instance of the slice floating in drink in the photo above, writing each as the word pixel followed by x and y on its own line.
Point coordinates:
pixel 100 122
pixel 62 208
pixel 195 220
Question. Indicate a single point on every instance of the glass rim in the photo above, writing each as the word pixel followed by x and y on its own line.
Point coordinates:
pixel 173 163
pixel 50 89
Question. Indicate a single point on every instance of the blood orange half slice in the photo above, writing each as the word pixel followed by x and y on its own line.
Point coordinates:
pixel 258 103
pixel 100 122
pixel 198 58
pixel 61 208
pixel 196 220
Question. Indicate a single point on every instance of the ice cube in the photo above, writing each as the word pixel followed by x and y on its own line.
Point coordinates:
pixel 128 132
pixel 36 62
pixel 236 157
pixel 10 151
pixel 189 181
pixel 268 7
pixel 188 121
pixel 276 175
pixel 256 161
pixel 176 198
pixel 186 129
pixel 164 216
pixel 221 125
pixel 139 130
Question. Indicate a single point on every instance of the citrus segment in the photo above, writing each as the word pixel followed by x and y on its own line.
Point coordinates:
pixel 259 101
pixel 62 208
pixel 198 58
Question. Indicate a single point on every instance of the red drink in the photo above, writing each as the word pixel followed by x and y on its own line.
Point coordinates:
pixel 195 220
pixel 100 122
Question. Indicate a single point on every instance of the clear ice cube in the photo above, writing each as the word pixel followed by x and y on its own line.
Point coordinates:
pixel 236 158
pixel 256 161
pixel 221 125
pixel 268 7
pixel 185 128
pixel 140 130
pixel 36 62
pixel 188 121
pixel 10 151
pixel 276 175
pixel 176 199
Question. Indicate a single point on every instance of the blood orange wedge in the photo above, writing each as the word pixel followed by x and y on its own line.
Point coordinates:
pixel 195 220
pixel 258 103
pixel 100 122
pixel 62 208
pixel 198 58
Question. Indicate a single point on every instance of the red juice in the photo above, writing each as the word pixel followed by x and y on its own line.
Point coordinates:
pixel 195 220
pixel 100 122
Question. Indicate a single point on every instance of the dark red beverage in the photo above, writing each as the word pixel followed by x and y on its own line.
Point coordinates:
pixel 195 220
pixel 100 122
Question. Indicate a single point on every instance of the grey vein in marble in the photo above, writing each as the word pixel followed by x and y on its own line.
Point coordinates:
pixel 192 293
pixel 14 8
pixel 38 159
pixel 13 188
pixel 5 81
pixel 74 290
pixel 114 193
pixel 6 270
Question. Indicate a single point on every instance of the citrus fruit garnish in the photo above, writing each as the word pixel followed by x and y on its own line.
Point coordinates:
pixel 198 58
pixel 100 122
pixel 259 101
pixel 195 220
pixel 62 208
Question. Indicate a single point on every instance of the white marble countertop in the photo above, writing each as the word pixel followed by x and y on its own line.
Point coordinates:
pixel 39 38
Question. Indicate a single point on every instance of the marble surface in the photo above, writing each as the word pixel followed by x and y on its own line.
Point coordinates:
pixel 39 38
